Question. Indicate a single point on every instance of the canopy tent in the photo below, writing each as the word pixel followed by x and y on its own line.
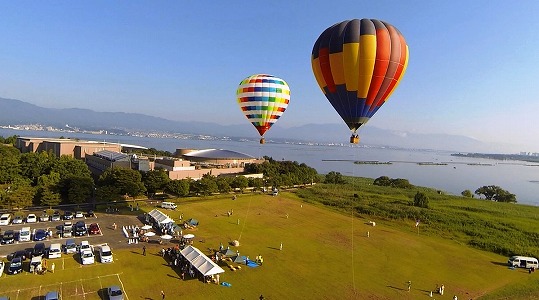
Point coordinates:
pixel 200 261
pixel 192 222
pixel 160 217
pixel 239 259
pixel 228 252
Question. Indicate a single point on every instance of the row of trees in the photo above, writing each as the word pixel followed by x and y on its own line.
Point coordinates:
pixel 493 193
pixel 42 179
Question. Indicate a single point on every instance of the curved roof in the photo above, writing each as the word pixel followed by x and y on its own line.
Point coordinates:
pixel 218 154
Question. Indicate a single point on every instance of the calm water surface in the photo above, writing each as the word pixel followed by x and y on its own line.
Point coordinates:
pixel 519 178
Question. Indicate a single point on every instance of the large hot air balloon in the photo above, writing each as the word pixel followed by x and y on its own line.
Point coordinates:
pixel 263 99
pixel 358 64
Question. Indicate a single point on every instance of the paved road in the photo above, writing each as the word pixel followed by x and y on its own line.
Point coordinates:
pixel 115 238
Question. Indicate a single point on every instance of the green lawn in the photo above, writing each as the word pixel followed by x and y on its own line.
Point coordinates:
pixel 326 255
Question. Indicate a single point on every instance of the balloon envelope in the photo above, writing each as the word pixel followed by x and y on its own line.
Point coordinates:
pixel 358 64
pixel 263 99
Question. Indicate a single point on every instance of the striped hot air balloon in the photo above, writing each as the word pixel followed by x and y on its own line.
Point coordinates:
pixel 263 99
pixel 358 64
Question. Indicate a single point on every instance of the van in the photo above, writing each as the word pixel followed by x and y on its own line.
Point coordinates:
pixel 105 254
pixel 168 205
pixel 70 246
pixel 55 251
pixel 24 234
pixel 523 262
pixel 5 219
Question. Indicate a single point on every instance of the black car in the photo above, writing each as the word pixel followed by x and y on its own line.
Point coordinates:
pixel 8 237
pixel 80 228
pixel 40 235
pixel 19 253
pixel 68 215
pixel 39 250
pixel 15 266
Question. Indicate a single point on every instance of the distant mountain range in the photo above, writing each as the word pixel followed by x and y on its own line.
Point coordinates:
pixel 13 112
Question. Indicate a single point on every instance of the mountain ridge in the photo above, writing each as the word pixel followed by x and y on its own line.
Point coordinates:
pixel 16 112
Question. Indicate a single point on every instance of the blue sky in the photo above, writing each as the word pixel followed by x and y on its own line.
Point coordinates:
pixel 473 67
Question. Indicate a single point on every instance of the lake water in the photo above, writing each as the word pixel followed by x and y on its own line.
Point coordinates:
pixel 457 175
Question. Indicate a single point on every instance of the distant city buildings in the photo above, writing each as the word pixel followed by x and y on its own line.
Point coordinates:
pixel 99 156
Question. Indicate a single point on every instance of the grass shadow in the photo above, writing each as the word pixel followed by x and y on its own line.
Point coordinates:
pixel 395 288
pixel 274 248
pixel 497 263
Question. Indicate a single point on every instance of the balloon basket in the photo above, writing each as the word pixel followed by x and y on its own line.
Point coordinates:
pixel 354 139
pixel 262 141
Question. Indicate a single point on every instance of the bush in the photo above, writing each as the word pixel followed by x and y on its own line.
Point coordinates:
pixel 421 200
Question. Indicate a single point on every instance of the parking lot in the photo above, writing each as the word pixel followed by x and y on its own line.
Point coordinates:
pixel 114 238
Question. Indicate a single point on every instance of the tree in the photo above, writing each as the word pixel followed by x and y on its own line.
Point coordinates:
pixel 10 140
pixel 240 182
pixel 496 193
pixel 206 185
pixel 155 181
pixel 79 188
pixel 35 164
pixel 48 192
pixel 467 194
pixel 223 184
pixel 334 178
pixel 401 183
pixel 124 182
pixel 256 183
pixel 19 194
pixel 382 181
pixel 68 166
pixel 178 187
pixel 9 164
pixel 421 200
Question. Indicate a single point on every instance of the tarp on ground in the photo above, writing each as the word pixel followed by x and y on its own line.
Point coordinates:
pixel 200 261
pixel 160 217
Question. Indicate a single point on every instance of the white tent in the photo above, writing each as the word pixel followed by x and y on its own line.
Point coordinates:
pixel 160 217
pixel 200 261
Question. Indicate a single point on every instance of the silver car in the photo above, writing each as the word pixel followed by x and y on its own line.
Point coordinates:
pixel 115 293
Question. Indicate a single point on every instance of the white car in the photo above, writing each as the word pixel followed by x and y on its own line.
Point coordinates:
pixel 84 245
pixel 55 251
pixel 105 254
pixel 31 218
pixel 87 257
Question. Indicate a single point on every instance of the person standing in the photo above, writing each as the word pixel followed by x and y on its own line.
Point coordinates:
pixel 144 250
pixel 52 268
pixel 409 285
pixel 281 246
pixel 162 295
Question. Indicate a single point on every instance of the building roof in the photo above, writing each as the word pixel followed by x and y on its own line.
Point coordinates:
pixel 111 155
pixel 218 154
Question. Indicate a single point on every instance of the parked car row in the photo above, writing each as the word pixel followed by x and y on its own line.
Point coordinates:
pixel 6 219
pixel 114 292
pixel 67 230
pixel 55 250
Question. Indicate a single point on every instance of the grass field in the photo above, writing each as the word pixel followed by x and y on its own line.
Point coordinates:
pixel 325 255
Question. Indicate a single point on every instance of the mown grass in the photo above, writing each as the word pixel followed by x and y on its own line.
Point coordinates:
pixel 326 253
pixel 502 228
